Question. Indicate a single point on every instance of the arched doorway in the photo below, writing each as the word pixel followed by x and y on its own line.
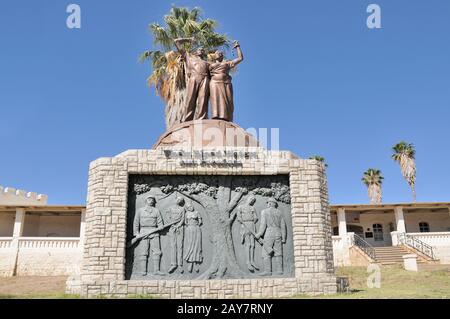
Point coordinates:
pixel 378 232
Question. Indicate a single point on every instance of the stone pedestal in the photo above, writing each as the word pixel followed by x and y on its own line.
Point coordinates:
pixel 310 269
pixel 410 262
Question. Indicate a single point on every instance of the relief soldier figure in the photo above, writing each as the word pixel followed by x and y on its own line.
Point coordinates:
pixel 273 230
pixel 197 71
pixel 193 253
pixel 220 86
pixel 176 215
pixel 246 215
pixel 148 219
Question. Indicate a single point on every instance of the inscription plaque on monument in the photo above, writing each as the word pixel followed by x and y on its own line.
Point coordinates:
pixel 208 227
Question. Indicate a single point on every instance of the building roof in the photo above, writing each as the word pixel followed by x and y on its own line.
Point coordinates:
pixel 392 206
pixel 46 208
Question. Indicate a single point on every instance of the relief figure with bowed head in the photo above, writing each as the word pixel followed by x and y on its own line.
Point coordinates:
pixel 247 217
pixel 176 215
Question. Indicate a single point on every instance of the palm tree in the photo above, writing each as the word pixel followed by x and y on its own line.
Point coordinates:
pixel 373 180
pixel 404 154
pixel 168 70
pixel 319 158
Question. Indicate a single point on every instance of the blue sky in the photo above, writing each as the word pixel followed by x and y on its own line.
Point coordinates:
pixel 312 68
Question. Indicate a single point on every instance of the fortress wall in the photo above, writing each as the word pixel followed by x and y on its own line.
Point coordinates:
pixel 12 196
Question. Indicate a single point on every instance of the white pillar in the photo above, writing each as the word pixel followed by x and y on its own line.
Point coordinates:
pixel 342 223
pixel 18 223
pixel 82 226
pixel 17 233
pixel 399 219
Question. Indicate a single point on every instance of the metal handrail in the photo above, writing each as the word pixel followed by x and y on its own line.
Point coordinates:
pixel 364 246
pixel 417 244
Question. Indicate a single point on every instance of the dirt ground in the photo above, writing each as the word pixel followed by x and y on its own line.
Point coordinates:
pixel 32 286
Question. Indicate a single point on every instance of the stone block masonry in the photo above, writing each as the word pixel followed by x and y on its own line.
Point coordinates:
pixel 103 261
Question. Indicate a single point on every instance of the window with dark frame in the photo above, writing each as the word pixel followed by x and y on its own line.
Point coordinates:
pixel 424 227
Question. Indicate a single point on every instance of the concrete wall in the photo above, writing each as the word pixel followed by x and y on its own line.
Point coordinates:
pixel 357 257
pixel 340 251
pixel 48 262
pixel 7 261
pixel 440 243
pixel 40 257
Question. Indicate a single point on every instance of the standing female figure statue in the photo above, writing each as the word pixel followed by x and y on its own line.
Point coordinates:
pixel 220 87
pixel 193 246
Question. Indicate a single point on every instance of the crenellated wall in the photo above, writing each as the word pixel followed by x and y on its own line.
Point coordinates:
pixel 12 196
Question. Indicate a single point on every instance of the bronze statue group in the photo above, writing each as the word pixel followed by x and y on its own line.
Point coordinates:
pixel 208 81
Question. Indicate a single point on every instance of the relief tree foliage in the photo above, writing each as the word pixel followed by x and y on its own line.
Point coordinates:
pixel 219 196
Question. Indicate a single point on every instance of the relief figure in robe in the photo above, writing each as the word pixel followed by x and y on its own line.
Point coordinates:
pixel 193 253
pixel 220 86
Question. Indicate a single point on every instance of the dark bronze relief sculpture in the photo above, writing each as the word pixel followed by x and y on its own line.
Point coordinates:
pixel 208 227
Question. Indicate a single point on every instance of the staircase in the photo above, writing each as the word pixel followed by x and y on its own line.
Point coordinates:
pixel 391 255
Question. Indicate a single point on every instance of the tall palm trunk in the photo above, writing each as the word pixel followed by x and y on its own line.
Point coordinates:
pixel 374 192
pixel 175 108
pixel 408 168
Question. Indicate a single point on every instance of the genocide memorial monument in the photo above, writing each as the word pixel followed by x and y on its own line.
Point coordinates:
pixel 207 212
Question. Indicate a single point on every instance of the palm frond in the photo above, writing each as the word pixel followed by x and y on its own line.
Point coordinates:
pixel 404 153
pixel 168 74
pixel 373 179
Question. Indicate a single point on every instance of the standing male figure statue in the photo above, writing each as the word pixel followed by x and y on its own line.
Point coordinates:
pixel 147 219
pixel 273 228
pixel 176 215
pixel 246 215
pixel 197 71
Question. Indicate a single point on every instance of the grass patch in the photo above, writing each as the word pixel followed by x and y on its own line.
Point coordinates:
pixel 396 283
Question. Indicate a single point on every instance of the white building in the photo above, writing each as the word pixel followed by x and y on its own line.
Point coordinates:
pixel 384 233
pixel 37 239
